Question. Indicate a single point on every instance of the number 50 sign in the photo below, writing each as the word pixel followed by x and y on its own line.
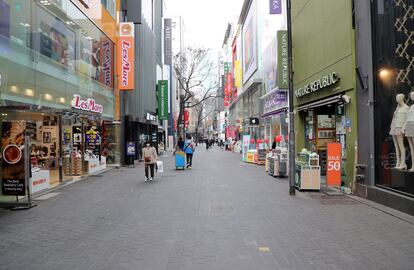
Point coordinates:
pixel 333 172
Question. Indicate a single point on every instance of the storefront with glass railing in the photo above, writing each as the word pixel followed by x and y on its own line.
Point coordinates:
pixel 57 87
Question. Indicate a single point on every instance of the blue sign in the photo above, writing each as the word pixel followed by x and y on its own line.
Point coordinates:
pixel 275 6
pixel 130 146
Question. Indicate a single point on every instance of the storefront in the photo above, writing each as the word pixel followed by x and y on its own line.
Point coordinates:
pixel 325 115
pixel 57 81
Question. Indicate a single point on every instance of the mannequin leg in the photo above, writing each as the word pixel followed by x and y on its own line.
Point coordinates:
pixel 400 140
pixel 411 143
pixel 397 151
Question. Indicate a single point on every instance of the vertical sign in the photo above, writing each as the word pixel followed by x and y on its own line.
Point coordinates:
pixel 282 59
pixel 167 42
pixel 186 118
pixel 162 99
pixel 237 74
pixel 13 163
pixel 333 165
pixel 126 56
pixel 275 6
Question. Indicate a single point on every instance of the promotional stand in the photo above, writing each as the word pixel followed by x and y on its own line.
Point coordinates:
pixel 15 185
pixel 308 172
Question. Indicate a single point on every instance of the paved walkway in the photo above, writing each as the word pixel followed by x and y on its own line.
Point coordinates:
pixel 222 214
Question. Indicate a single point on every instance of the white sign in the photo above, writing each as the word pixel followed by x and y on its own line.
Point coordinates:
pixel 151 117
pixel 86 105
pixel 39 180
pixel 317 85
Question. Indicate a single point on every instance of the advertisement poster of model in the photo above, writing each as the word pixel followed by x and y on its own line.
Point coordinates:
pixel 13 166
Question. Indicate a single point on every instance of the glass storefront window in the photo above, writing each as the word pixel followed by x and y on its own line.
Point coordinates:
pixel 394 73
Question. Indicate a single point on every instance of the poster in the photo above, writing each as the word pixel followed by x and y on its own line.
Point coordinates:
pixel 13 163
pixel 250 43
pixel 130 149
pixel 245 147
pixel 333 165
pixel 93 139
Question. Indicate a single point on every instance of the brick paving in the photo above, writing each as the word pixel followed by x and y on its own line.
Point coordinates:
pixel 222 214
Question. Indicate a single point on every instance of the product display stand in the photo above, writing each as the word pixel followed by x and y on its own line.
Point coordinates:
pixel 308 172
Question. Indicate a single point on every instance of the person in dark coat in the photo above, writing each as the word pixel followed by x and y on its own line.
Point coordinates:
pixel 180 144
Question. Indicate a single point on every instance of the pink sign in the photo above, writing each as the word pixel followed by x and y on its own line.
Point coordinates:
pixel 89 104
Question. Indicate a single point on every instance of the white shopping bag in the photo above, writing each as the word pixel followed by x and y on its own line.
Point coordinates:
pixel 160 166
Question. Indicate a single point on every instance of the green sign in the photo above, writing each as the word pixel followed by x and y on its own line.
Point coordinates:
pixel 162 89
pixel 282 60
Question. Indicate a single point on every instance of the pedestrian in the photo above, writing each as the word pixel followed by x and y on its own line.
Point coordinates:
pixel 189 149
pixel 149 153
pixel 207 144
pixel 180 144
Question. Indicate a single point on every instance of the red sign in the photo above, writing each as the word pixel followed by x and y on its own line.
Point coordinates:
pixel 186 118
pixel 226 101
pixel 333 164
pixel 86 105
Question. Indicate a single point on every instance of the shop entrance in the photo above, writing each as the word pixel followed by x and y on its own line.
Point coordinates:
pixel 323 125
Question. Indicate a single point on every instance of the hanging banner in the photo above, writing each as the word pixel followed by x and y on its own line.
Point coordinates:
pixel 275 6
pixel 167 42
pixel 282 59
pixel 126 56
pixel 13 163
pixel 162 88
pixel 333 165
pixel 238 74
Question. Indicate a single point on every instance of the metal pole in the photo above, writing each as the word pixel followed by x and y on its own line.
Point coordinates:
pixel 292 171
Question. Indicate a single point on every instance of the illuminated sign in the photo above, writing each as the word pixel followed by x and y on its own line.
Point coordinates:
pixel 89 104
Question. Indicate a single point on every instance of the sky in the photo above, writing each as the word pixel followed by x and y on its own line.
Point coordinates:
pixel 205 20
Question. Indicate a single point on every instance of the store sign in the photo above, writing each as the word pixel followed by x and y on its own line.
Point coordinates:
pixel 167 42
pixel 325 81
pixel 333 164
pixel 275 6
pixel 151 117
pixel 238 74
pixel 126 56
pixel 107 56
pixel 89 104
pixel 162 99
pixel 274 101
pixel 13 174
pixel 282 59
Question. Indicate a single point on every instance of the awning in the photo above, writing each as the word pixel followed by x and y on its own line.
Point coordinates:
pixel 320 103
pixel 279 111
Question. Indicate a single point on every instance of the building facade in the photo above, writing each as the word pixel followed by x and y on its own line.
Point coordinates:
pixel 385 70
pixel 57 86
pixel 324 81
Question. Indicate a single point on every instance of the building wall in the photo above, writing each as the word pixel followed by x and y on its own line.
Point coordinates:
pixel 321 45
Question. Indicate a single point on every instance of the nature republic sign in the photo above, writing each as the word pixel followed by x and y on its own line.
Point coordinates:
pixel 314 86
pixel 162 99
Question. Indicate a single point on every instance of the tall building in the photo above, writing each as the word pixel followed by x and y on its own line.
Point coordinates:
pixel 139 106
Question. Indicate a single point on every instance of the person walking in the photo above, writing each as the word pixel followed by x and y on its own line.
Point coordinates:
pixel 189 150
pixel 149 153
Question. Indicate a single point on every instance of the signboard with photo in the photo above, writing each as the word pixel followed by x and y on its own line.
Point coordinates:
pixel 13 163
pixel 250 43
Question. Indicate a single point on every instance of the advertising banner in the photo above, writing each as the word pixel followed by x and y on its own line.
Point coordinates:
pixel 275 100
pixel 13 163
pixel 250 43
pixel 126 56
pixel 245 147
pixel 238 74
pixel 275 6
pixel 130 146
pixel 282 59
pixel 333 166
pixel 167 42
pixel 162 88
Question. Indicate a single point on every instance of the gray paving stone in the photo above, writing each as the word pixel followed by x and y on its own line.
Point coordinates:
pixel 215 216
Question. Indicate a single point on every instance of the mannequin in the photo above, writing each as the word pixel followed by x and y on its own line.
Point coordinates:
pixel 408 130
pixel 397 124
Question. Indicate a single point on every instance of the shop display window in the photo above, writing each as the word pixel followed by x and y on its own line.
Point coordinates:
pixel 394 101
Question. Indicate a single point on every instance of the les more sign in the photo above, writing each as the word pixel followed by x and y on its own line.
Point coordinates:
pixel 89 104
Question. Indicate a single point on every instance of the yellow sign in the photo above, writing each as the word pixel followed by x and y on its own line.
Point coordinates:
pixel 237 73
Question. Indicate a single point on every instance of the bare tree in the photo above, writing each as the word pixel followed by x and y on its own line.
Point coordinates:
pixel 194 73
pixel 201 116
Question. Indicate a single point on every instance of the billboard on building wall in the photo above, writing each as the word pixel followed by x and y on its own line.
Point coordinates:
pixel 282 59
pixel 238 73
pixel 126 56
pixel 162 88
pixel 270 65
pixel 250 43
pixel 167 42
